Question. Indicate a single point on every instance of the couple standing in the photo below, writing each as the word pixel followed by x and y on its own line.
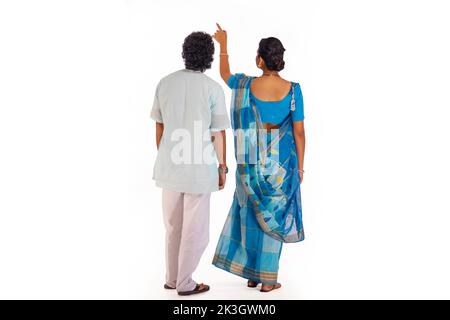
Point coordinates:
pixel 267 120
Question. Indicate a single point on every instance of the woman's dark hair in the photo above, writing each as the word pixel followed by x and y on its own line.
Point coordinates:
pixel 198 50
pixel 271 50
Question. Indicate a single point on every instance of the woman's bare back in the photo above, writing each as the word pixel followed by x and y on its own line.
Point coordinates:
pixel 270 88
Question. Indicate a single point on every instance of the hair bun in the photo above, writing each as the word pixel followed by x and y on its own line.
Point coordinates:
pixel 278 63
pixel 271 51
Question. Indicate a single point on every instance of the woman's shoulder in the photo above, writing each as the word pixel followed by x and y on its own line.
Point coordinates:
pixel 239 80
pixel 240 75
pixel 297 87
pixel 295 83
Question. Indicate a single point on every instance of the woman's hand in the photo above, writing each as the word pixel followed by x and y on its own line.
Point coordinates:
pixel 220 36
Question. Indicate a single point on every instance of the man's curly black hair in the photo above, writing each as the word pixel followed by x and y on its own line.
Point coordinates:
pixel 198 50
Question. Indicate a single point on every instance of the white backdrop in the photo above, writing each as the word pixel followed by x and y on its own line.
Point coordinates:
pixel 80 216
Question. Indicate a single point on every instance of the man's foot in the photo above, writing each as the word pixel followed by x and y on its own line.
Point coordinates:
pixel 252 284
pixel 166 286
pixel 198 289
pixel 269 287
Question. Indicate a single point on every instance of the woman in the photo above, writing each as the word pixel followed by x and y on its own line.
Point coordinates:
pixel 267 119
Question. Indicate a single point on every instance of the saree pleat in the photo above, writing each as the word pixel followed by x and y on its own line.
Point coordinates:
pixel 266 209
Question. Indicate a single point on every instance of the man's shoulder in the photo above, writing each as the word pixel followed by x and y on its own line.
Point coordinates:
pixel 213 84
pixel 170 76
pixel 207 81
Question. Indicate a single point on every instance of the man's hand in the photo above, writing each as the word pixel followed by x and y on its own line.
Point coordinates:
pixel 159 133
pixel 220 36
pixel 222 180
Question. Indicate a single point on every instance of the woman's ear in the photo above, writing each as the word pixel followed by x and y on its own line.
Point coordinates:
pixel 260 62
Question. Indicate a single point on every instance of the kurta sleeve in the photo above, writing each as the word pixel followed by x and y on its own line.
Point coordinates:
pixel 155 114
pixel 219 115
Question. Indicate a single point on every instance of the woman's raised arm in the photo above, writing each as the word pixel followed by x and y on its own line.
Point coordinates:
pixel 221 37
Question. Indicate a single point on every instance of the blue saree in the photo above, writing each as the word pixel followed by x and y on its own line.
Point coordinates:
pixel 266 209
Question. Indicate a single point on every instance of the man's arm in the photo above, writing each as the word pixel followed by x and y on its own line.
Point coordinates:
pixel 221 38
pixel 159 133
pixel 220 146
pixel 156 115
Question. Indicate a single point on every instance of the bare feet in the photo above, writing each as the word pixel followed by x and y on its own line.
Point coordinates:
pixel 269 287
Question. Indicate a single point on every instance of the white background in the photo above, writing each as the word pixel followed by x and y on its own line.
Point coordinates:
pixel 80 216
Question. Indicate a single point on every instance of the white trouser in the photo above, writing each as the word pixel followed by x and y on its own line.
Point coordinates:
pixel 186 218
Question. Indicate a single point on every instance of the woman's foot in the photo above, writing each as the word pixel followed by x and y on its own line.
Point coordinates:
pixel 269 287
pixel 252 284
pixel 199 288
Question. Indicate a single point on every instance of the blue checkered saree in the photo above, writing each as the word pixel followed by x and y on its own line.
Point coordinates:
pixel 266 209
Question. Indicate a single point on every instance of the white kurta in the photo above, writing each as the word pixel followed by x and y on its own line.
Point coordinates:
pixel 190 105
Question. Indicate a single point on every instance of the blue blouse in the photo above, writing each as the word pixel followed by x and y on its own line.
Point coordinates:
pixel 275 111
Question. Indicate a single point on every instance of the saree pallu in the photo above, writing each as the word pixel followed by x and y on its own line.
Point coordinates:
pixel 266 209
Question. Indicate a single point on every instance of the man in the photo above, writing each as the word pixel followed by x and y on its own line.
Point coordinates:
pixel 191 118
